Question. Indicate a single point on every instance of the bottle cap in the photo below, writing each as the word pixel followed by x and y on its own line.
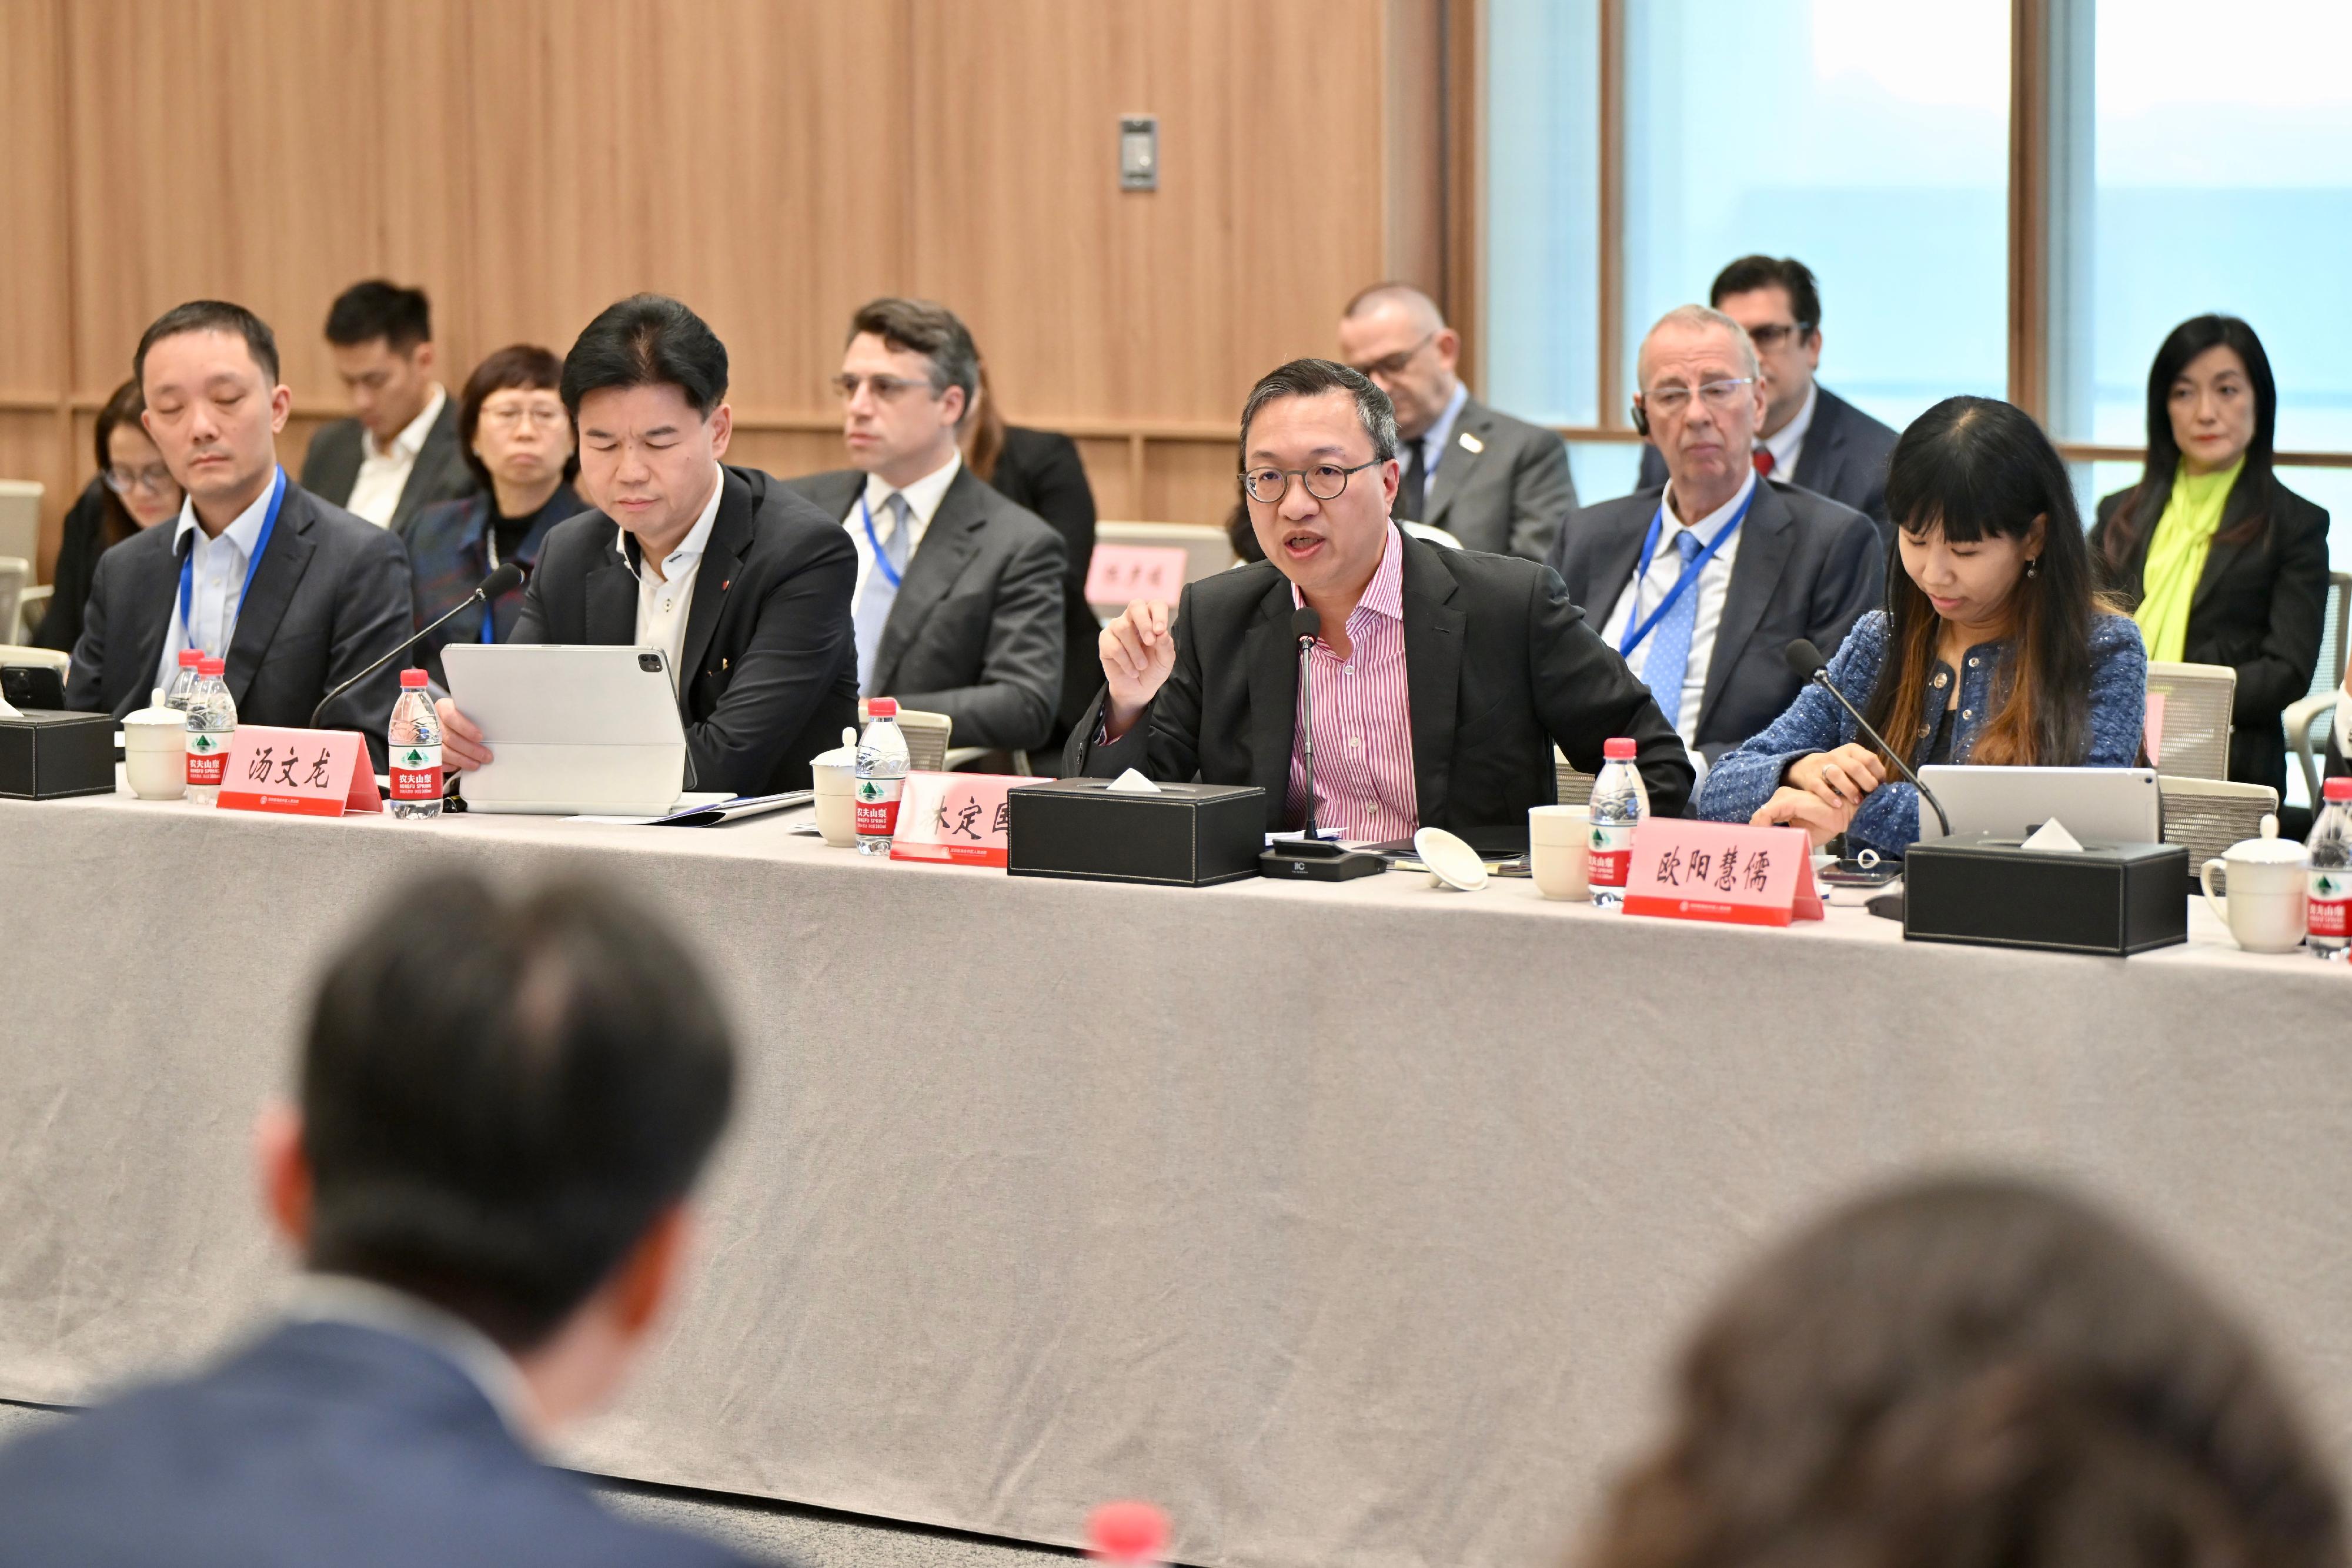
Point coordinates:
pixel 1620 749
pixel 410 680
pixel 2337 790
pixel 882 707
pixel 191 657
pixel 212 667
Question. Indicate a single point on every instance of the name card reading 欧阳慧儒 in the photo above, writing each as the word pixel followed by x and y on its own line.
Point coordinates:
pixel 1731 872
pixel 955 819
pixel 1119 573
pixel 300 772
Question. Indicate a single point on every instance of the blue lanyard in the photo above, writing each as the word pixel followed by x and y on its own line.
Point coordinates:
pixel 260 544
pixel 881 562
pixel 1635 633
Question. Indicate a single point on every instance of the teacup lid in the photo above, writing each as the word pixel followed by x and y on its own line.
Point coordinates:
pixel 157 714
pixel 2268 850
pixel 839 757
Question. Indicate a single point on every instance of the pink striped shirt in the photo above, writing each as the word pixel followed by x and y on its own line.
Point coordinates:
pixel 1363 720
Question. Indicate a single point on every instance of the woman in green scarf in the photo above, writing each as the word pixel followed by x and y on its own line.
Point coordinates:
pixel 2219 562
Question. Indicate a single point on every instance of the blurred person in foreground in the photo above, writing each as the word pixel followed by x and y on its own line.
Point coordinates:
pixel 502 1108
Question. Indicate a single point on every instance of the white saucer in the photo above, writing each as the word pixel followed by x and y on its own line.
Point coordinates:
pixel 1451 862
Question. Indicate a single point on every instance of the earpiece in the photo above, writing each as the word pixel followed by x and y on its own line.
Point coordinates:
pixel 1641 420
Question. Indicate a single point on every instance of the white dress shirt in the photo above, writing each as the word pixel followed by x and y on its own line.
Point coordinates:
pixel 375 494
pixel 1788 444
pixel 217 590
pixel 1432 443
pixel 665 601
pixel 923 497
pixel 1648 591
pixel 363 1303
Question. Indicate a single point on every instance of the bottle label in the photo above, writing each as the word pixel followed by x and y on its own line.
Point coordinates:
pixel 877 806
pixel 1612 850
pixel 207 756
pixel 416 773
pixel 2329 911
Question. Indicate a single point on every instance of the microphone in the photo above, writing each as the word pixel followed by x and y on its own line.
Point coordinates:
pixel 1807 661
pixel 504 578
pixel 1307 624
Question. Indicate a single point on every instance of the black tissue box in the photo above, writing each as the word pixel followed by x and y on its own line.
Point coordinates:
pixel 47 756
pixel 2113 899
pixel 1186 835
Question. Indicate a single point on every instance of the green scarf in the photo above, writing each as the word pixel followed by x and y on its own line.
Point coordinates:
pixel 2176 557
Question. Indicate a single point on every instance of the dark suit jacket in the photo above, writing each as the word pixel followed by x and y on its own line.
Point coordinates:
pixel 767 675
pixel 332 467
pixel 1509 497
pixel 1844 457
pixel 977 630
pixel 1041 471
pixel 84 541
pixel 330 598
pixel 321 1443
pixel 1806 566
pixel 2257 608
pixel 1499 665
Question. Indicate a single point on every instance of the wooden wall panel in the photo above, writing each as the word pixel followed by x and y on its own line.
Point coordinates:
pixel 33 267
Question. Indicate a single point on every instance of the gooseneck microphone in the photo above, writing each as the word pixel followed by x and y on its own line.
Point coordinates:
pixel 1307 624
pixel 504 579
pixel 1807 661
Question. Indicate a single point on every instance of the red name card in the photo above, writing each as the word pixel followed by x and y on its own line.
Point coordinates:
pixel 1118 573
pixel 301 772
pixel 1721 871
pixel 955 819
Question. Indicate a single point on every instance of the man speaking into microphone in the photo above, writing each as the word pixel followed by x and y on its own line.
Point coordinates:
pixel 1439 680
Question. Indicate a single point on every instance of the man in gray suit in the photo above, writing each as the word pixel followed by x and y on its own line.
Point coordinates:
pixel 1810 436
pixel 959 598
pixel 296 595
pixel 1496 483
pixel 400 454
pixel 1703 585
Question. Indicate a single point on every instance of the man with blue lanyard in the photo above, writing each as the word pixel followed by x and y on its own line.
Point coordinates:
pixel 1710 577
pixel 294 594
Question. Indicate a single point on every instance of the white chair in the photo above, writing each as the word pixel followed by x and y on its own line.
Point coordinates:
pixel 20 522
pixel 2209 815
pixel 1207 550
pixel 31 605
pixel 32 658
pixel 2198 700
pixel 927 739
pixel 1575 788
pixel 2309 713
pixel 1430 533
pixel 16 571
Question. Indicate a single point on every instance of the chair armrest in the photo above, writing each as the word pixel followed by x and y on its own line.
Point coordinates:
pixel 2299 719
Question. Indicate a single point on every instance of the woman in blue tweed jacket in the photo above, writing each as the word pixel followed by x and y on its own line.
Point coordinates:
pixel 1995 646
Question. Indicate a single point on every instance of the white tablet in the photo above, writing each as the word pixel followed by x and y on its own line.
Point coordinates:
pixel 2103 805
pixel 572 730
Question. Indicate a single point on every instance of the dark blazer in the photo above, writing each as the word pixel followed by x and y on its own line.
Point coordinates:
pixel 1508 496
pixel 330 598
pixel 2258 608
pixel 1844 457
pixel 85 540
pixel 977 630
pixel 1806 566
pixel 332 467
pixel 1041 471
pixel 448 556
pixel 767 675
pixel 1499 665
pixel 321 1443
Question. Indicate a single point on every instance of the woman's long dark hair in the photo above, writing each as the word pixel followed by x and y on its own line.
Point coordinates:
pixel 123 408
pixel 1977 467
pixel 984 433
pixel 2246 518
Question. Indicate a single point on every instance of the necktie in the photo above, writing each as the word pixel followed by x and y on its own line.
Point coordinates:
pixel 1670 640
pixel 1409 491
pixel 874 600
pixel 1762 457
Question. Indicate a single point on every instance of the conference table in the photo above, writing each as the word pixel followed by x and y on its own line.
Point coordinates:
pixel 1351 1222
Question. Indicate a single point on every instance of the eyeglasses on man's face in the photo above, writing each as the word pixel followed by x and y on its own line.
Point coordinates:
pixel 155 478
pixel 1720 396
pixel 1324 481
pixel 1395 364
pixel 885 389
pixel 1772 334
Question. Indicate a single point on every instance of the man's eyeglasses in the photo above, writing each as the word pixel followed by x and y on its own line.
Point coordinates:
pixel 1324 481
pixel 885 389
pixel 1717 395
pixel 1772 334
pixel 154 479
pixel 1395 364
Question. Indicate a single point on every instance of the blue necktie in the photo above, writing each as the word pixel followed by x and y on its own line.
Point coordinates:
pixel 879 593
pixel 1670 641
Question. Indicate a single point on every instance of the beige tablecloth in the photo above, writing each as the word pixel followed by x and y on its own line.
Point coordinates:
pixel 1353 1223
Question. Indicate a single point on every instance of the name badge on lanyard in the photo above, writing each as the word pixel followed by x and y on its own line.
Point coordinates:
pixel 881 560
pixel 1636 631
pixel 260 547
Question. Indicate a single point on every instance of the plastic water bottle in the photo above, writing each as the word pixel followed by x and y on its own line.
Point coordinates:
pixel 881 777
pixel 1619 801
pixel 2327 861
pixel 415 750
pixel 184 681
pixel 211 723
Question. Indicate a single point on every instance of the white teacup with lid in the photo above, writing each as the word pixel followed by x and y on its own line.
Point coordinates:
pixel 833 775
pixel 2265 908
pixel 155 751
